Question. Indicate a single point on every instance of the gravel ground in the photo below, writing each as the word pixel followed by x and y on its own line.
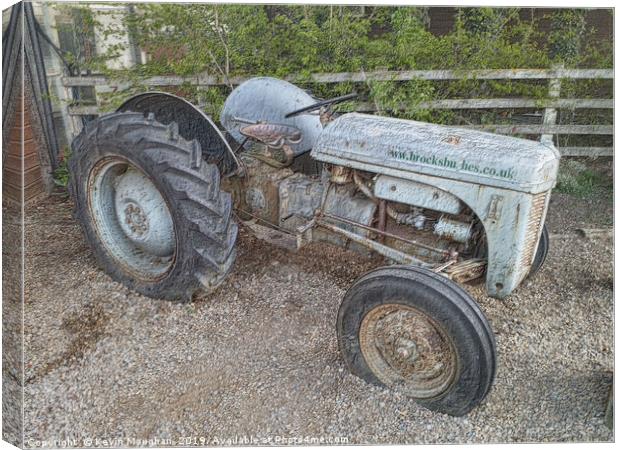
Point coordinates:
pixel 259 359
pixel 12 332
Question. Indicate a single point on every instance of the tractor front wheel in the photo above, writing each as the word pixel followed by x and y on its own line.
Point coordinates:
pixel 541 252
pixel 151 208
pixel 417 332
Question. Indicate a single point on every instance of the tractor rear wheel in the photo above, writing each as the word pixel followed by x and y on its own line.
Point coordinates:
pixel 151 208
pixel 417 332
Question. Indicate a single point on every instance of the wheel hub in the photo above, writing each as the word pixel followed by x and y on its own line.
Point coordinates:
pixel 406 348
pixel 131 218
pixel 142 213
pixel 135 220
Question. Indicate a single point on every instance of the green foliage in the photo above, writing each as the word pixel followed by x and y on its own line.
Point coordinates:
pixel 569 29
pixel 61 174
pixel 278 40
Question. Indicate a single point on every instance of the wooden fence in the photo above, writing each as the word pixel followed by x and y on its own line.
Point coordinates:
pixel 547 128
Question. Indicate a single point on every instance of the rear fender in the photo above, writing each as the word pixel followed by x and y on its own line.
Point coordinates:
pixel 192 122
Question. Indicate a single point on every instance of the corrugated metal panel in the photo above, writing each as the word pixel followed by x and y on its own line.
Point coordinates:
pixel 534 227
pixel 16 177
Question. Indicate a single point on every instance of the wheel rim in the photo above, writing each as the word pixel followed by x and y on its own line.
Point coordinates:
pixel 406 349
pixel 131 218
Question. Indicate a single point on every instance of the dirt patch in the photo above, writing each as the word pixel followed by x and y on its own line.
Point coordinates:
pixel 85 328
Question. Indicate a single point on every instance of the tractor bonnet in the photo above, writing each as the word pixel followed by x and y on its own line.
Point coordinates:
pixel 378 143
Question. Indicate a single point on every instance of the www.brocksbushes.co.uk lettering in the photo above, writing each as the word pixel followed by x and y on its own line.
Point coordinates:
pixel 433 160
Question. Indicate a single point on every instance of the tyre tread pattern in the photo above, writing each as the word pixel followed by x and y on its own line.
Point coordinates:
pixel 194 195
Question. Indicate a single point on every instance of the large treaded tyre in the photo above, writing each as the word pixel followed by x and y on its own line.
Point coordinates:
pixel 202 231
pixel 418 298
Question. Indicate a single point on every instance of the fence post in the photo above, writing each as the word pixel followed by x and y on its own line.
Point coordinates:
pixel 551 114
pixel 75 122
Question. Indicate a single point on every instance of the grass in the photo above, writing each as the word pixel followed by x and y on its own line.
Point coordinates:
pixel 577 179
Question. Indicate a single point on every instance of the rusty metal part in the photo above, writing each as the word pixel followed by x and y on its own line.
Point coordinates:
pixel 300 196
pixel 442 267
pixel 386 234
pixel 256 218
pixel 397 216
pixel 407 349
pixel 257 193
pixel 136 220
pixel 304 234
pixel 413 219
pixel 468 270
pixel 272 236
pixel 362 187
pixel 272 134
pixel 382 220
pixel 278 158
pixel 341 201
pixel 325 116
pixel 340 175
pixel 534 228
pixel 289 155
pixel 454 230
pixel 384 250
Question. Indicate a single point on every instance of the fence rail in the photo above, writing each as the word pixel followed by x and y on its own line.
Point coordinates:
pixel 547 128
pixel 357 77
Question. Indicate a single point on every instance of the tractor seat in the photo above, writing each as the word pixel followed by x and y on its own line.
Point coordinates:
pixel 272 134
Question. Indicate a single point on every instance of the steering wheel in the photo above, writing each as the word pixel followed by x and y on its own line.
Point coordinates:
pixel 317 105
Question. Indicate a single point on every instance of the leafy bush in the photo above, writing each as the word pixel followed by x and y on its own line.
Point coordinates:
pixel 279 40
pixel 61 174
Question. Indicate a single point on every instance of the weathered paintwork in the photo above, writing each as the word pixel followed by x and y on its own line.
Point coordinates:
pixel 504 181
pixel 268 100
pixel 412 193
pixel 511 222
pixel 429 149
pixel 511 203
pixel 300 197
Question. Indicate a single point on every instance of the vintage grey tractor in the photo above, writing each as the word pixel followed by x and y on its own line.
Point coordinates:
pixel 160 190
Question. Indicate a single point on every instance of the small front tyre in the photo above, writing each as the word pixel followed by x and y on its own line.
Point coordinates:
pixel 151 208
pixel 541 252
pixel 415 331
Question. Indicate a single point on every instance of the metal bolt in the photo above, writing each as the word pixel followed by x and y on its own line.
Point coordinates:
pixel 403 352
pixel 407 349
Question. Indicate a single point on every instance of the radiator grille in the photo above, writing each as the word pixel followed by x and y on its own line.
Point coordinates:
pixel 534 225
